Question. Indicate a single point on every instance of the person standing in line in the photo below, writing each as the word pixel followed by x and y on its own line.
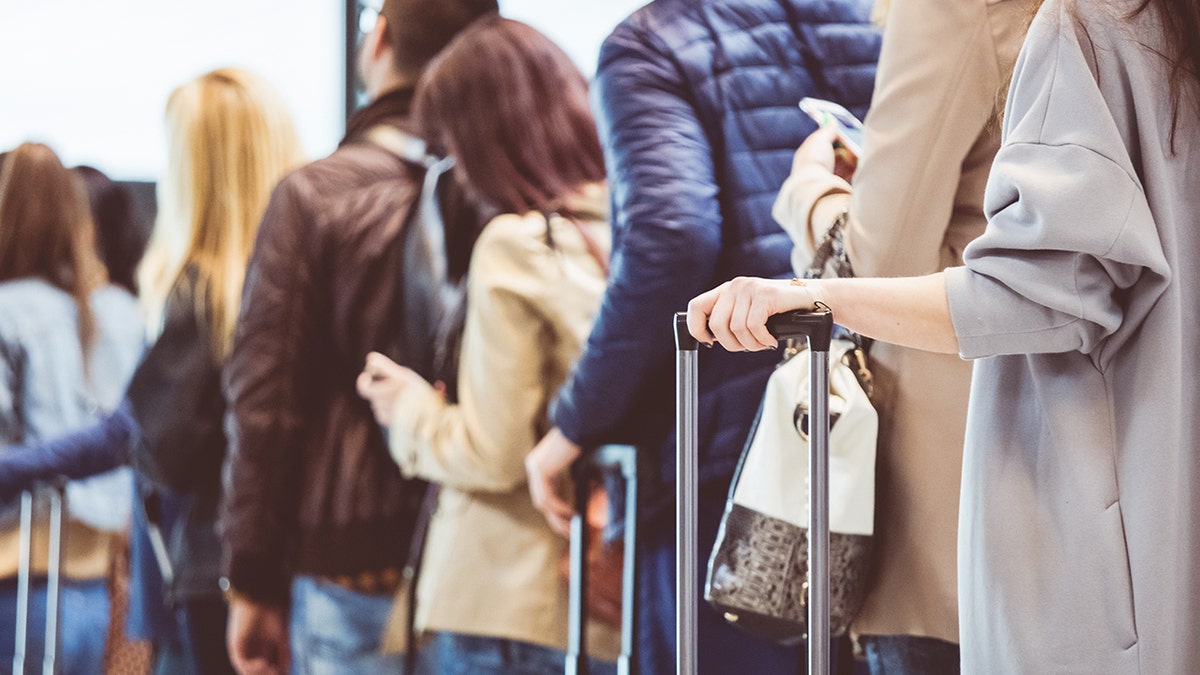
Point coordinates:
pixel 68 343
pixel 917 200
pixel 699 118
pixel 317 519
pixel 230 140
pixel 1079 524
pixel 512 109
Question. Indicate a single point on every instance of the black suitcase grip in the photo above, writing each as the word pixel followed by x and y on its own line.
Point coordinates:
pixel 816 324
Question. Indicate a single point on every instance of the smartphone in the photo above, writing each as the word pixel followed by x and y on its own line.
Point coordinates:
pixel 849 129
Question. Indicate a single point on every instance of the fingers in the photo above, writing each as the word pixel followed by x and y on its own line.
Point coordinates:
pixel 743 299
pixel 698 315
pixel 735 313
pixel 544 490
pixel 756 325
pixel 739 316
pixel 817 149
pixel 381 367
pixel 364 384
pixel 546 468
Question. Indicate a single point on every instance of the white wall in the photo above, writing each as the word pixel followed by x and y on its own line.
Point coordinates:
pixel 91 77
pixel 578 26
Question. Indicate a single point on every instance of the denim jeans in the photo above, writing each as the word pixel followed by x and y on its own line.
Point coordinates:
pixel 337 631
pixel 84 622
pixel 910 655
pixel 458 654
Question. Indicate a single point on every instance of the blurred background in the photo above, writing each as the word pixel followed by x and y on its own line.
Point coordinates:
pixel 91 78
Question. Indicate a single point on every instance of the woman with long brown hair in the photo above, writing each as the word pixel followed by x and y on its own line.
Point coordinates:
pixel 512 109
pixel 68 342
pixel 1079 523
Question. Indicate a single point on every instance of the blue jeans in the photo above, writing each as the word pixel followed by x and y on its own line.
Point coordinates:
pixel 910 655
pixel 337 631
pixel 84 624
pixel 459 654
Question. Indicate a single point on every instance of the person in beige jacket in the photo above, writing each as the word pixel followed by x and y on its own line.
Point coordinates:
pixel 512 109
pixel 916 202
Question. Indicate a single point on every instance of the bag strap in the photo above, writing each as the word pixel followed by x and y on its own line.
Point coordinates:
pixel 406 146
pixel 593 247
pixel 420 254
pixel 830 255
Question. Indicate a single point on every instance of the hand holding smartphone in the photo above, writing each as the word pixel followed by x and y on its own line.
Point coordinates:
pixel 849 132
pixel 849 129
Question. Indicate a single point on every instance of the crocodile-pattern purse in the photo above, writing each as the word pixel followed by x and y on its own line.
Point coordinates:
pixel 757 574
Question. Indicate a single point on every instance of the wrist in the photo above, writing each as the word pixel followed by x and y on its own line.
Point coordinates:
pixel 807 293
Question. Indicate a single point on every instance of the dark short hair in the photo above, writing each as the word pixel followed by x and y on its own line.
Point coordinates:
pixel 512 108
pixel 419 29
pixel 118 238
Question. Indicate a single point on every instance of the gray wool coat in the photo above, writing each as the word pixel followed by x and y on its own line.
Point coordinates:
pixel 1079 534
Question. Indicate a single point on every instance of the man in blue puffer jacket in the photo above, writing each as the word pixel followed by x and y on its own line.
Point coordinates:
pixel 699 116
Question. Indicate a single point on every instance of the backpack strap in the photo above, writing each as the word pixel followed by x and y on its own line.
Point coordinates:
pixel 422 292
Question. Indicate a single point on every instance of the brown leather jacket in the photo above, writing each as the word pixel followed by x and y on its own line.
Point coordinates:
pixel 310 486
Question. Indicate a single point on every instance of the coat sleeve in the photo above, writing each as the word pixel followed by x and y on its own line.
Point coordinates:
pixel 667 232
pixel 264 387
pixel 87 452
pixel 480 444
pixel 928 140
pixel 1070 230
pixel 175 395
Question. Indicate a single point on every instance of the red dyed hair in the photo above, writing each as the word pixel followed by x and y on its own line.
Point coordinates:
pixel 512 108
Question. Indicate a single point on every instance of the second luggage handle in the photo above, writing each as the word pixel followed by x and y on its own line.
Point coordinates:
pixel 816 326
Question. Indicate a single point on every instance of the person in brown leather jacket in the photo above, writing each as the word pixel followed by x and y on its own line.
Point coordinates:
pixel 317 519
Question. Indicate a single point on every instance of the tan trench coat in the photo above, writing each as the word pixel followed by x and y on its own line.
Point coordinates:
pixel 491 561
pixel 917 201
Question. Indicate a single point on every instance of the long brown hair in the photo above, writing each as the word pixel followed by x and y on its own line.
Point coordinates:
pixel 512 108
pixel 46 230
pixel 1180 21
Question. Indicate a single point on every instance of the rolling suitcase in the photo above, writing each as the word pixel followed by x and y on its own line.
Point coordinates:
pixel 817 327
pixel 605 459
pixel 58 507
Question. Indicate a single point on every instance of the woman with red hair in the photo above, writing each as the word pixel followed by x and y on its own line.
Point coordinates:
pixel 512 109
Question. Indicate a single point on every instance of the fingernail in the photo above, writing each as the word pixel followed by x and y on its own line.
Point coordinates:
pixel 709 344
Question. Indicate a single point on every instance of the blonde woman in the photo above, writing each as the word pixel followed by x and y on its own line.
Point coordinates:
pixel 68 342
pixel 230 142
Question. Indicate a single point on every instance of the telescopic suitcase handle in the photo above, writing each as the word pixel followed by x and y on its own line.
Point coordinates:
pixel 817 326
pixel 58 512
pixel 622 458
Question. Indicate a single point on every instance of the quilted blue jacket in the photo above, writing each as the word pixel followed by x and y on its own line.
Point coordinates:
pixel 698 113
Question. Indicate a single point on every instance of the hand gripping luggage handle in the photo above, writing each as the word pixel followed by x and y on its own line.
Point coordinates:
pixel 817 326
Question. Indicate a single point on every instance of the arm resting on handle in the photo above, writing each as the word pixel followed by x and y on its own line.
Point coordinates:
pixel 911 312
pixel 94 450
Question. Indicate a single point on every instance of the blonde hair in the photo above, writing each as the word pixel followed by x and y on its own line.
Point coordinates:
pixel 46 231
pixel 230 141
pixel 879 12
